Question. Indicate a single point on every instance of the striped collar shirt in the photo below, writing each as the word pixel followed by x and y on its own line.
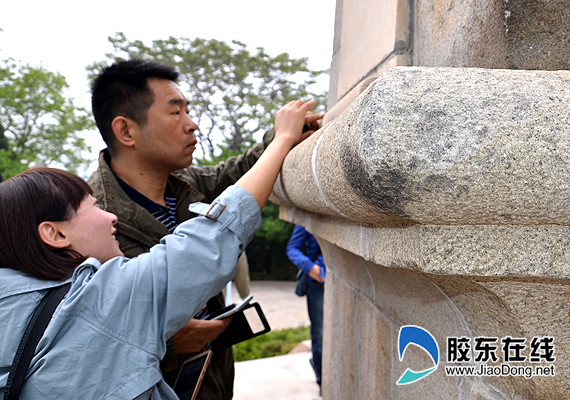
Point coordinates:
pixel 166 215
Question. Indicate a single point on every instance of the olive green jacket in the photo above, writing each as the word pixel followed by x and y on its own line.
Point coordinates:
pixel 138 231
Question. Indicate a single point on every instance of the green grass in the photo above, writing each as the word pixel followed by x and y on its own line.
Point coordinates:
pixel 274 343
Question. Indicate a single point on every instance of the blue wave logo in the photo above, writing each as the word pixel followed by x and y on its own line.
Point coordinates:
pixel 411 334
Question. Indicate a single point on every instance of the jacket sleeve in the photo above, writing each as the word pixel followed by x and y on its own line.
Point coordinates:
pixel 148 298
pixel 320 261
pixel 213 180
pixel 295 247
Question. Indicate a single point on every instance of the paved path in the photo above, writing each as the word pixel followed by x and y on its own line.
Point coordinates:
pixel 288 377
pixel 281 306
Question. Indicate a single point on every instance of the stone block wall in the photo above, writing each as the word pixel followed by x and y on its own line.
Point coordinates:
pixel 372 36
pixel 513 34
pixel 440 198
pixel 440 194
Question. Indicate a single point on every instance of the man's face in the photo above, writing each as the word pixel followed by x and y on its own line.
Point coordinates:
pixel 167 140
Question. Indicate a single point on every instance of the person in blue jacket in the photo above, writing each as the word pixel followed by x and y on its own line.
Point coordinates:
pixel 312 263
pixel 107 336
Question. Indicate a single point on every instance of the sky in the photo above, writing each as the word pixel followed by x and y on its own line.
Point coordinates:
pixel 65 36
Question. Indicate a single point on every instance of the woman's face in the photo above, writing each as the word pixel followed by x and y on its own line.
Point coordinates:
pixel 91 231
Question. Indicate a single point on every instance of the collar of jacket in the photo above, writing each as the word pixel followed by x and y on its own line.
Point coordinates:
pixel 135 221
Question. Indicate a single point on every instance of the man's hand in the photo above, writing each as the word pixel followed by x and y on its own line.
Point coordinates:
pixel 315 273
pixel 197 333
pixel 312 120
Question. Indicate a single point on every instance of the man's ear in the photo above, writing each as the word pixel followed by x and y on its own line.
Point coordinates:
pixel 51 234
pixel 124 128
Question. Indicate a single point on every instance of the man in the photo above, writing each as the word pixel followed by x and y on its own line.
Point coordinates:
pixel 311 262
pixel 145 178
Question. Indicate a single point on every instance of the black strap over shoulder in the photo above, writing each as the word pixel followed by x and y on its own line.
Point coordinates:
pixel 317 254
pixel 34 331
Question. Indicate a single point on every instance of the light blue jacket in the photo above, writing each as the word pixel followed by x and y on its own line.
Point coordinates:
pixel 108 335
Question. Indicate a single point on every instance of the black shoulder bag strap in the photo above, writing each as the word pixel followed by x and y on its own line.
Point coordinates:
pixel 317 255
pixel 34 331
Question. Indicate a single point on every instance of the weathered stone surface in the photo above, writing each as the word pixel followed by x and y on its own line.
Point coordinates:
pixel 475 250
pixel 440 199
pixel 467 172
pixel 460 33
pixel 515 34
pixel 491 250
pixel 368 303
pixel 442 146
pixel 372 36
pixel 440 196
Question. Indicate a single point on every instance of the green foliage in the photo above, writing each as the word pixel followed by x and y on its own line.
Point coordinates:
pixel 233 93
pixel 274 343
pixel 272 228
pixel 266 252
pixel 38 124
pixel 214 159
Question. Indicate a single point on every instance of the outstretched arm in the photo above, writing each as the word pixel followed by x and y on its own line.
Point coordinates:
pixel 258 181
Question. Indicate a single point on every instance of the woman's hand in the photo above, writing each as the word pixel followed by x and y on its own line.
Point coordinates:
pixel 290 120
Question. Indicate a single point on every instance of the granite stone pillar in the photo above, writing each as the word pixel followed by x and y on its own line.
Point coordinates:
pixel 441 199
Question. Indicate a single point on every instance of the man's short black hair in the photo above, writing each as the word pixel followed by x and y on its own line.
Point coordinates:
pixel 122 90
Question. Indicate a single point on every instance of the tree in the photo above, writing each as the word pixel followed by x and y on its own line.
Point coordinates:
pixel 233 93
pixel 266 252
pixel 38 124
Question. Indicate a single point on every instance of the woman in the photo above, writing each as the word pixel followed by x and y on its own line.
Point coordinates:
pixel 108 334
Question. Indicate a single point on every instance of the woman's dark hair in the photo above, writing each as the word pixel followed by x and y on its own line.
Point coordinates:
pixel 28 199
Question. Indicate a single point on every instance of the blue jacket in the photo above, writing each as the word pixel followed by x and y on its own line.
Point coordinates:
pixel 301 238
pixel 108 335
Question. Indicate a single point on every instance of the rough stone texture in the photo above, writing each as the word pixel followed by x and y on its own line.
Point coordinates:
pixel 541 30
pixel 514 34
pixel 491 250
pixel 461 33
pixel 443 146
pixel 477 250
pixel 467 171
pixel 440 198
pixel 371 302
pixel 507 34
